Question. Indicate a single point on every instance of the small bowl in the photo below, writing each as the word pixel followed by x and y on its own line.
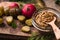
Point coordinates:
pixel 45 9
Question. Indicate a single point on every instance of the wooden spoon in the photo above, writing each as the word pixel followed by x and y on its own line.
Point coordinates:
pixel 55 28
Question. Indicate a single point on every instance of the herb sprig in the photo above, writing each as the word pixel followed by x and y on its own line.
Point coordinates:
pixel 13 24
pixel 42 37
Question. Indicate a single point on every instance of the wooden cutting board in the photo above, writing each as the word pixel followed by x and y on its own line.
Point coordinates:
pixel 11 31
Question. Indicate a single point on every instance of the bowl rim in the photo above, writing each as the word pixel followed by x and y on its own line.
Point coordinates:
pixel 35 24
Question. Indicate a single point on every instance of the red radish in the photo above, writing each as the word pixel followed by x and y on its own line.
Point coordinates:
pixel 14 5
pixel 28 10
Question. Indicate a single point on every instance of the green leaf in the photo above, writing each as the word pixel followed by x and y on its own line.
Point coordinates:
pixel 37 38
pixel 13 24
pixel 32 38
pixel 42 38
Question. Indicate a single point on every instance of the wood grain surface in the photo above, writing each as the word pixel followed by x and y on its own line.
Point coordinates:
pixel 7 30
pixel 51 4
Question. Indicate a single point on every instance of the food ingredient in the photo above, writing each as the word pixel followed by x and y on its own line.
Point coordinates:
pixel 21 17
pixel 1 11
pixel 29 22
pixel 6 11
pixel 25 29
pixel 9 19
pixel 28 10
pixel 14 11
pixel 13 24
pixel 14 5
pixel 1 20
pixel 44 17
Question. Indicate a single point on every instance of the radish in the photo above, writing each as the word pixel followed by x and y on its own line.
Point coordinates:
pixel 14 5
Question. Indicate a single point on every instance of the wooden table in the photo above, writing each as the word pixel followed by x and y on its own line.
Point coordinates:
pixel 49 3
